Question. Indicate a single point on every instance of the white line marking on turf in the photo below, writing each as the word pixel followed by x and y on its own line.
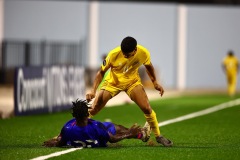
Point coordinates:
pixel 202 112
pixel 56 154
pixel 164 123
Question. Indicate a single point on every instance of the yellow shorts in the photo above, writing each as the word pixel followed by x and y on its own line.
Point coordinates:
pixel 114 90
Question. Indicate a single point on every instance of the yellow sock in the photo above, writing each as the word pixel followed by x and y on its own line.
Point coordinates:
pixel 153 122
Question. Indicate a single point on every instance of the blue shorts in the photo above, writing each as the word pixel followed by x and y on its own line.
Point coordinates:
pixel 110 127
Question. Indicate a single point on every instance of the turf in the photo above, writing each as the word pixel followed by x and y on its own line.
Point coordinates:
pixel 213 136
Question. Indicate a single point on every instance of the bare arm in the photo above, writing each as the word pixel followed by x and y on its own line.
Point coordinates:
pixel 151 73
pixel 54 142
pixel 97 81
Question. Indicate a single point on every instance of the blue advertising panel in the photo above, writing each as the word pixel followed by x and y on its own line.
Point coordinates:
pixel 47 89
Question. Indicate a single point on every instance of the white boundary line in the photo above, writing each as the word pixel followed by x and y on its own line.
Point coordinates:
pixel 164 123
pixel 56 154
pixel 202 112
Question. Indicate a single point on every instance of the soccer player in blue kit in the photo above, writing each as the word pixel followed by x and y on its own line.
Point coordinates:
pixel 84 132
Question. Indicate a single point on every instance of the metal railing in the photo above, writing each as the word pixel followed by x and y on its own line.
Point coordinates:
pixel 25 53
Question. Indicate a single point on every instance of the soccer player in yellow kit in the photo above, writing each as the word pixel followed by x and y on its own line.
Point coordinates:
pixel 231 68
pixel 124 62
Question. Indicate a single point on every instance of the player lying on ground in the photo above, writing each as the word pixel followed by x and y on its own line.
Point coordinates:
pixel 84 132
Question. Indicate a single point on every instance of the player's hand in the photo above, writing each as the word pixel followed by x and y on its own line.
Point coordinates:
pixel 90 96
pixel 159 88
pixel 51 142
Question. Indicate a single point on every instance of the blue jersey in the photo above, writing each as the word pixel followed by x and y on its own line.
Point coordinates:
pixel 95 134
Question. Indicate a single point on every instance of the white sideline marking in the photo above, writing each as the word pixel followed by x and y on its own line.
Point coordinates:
pixel 56 154
pixel 202 112
pixel 164 123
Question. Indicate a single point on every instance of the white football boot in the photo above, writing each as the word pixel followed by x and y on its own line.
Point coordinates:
pixel 146 132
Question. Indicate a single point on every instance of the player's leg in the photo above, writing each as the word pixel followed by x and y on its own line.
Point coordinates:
pixel 116 128
pixel 231 84
pixel 121 130
pixel 106 92
pixel 103 96
pixel 139 96
pixel 234 84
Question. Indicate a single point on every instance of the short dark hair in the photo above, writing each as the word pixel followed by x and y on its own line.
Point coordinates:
pixel 230 53
pixel 80 109
pixel 128 44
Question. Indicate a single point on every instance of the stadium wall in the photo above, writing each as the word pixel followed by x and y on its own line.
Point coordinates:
pixel 210 32
pixel 154 26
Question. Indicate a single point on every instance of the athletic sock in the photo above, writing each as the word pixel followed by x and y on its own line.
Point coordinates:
pixel 139 136
pixel 153 122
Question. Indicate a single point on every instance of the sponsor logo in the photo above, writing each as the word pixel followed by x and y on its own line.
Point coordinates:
pixel 47 88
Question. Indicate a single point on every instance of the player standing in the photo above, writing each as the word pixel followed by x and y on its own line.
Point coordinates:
pixel 124 62
pixel 231 68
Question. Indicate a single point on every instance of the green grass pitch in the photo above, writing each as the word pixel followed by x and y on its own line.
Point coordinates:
pixel 212 136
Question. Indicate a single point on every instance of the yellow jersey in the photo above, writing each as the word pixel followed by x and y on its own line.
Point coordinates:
pixel 124 70
pixel 231 64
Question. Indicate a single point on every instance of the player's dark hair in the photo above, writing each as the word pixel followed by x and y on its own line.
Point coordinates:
pixel 80 109
pixel 230 53
pixel 128 45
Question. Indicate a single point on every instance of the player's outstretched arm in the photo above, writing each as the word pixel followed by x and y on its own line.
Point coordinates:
pixel 54 142
pixel 97 81
pixel 151 73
